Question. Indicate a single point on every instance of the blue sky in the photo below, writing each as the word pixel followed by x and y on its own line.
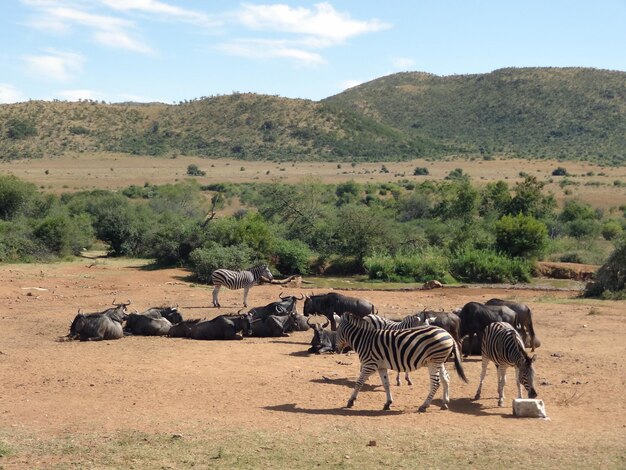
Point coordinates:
pixel 172 50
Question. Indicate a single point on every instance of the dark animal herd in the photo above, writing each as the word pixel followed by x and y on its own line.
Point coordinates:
pixel 463 330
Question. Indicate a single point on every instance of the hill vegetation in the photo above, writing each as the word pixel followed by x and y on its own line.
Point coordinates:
pixel 567 113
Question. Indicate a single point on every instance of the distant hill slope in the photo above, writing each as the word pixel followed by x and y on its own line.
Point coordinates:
pixel 565 113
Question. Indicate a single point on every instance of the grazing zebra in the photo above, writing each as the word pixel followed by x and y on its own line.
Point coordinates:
pixel 504 346
pixel 401 350
pixel 381 323
pixel 238 280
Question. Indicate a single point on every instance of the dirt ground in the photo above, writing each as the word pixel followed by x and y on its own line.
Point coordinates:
pixel 156 384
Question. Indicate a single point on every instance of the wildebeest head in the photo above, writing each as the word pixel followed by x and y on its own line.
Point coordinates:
pixel 322 340
pixel 246 324
pixel 527 375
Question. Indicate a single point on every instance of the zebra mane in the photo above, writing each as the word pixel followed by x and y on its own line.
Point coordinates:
pixel 356 321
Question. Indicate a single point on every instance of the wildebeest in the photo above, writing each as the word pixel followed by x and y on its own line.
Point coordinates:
pixel 101 325
pixel 524 321
pixel 170 313
pixel 447 320
pixel 323 340
pixel 145 325
pixel 335 303
pixel 273 326
pixel 223 327
pixel 301 323
pixel 285 306
pixel 475 317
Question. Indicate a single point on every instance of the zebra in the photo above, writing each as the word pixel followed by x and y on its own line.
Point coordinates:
pixel 381 323
pixel 238 280
pixel 401 350
pixel 504 346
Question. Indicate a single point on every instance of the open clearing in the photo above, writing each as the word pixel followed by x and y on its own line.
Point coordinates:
pixel 143 402
pixel 588 182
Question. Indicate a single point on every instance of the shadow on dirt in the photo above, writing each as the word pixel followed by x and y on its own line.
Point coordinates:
pixel 293 408
pixel 345 383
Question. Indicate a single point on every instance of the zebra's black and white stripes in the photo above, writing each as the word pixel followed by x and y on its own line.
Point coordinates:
pixel 401 350
pixel 381 323
pixel 504 346
pixel 238 280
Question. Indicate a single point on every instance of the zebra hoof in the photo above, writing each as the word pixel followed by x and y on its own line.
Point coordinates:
pixel 350 404
pixel 444 406
pixel 422 409
pixel 408 382
pixel 477 396
pixel 387 407
pixel 500 402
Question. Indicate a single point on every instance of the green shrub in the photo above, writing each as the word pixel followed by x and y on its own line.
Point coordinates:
pixel 293 257
pixel 487 266
pixel 559 171
pixel 20 128
pixel 194 170
pixel 63 235
pixel 207 259
pixel 15 196
pixel 521 235
pixel 420 171
pixel 431 264
pixel 611 229
pixel 610 279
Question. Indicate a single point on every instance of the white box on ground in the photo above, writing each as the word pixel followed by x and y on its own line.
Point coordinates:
pixel 529 408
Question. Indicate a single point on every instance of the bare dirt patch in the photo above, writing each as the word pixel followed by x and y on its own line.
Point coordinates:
pixel 177 387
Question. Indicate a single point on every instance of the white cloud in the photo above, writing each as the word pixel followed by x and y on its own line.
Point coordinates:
pixel 349 84
pixel 107 30
pixel 322 22
pixel 403 63
pixel 267 49
pixel 75 95
pixel 55 65
pixel 162 9
pixel 10 94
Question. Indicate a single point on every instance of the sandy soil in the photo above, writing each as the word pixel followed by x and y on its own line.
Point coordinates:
pixel 52 388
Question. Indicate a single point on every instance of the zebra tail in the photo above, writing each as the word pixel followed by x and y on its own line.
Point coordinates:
pixel 457 362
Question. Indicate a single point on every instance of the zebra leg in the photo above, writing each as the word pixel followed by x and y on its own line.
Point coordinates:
pixel 245 296
pixel 398 381
pixel 519 384
pixel 366 371
pixel 408 379
pixel 433 371
pixel 385 380
pixel 483 373
pixel 445 379
pixel 216 291
pixel 501 384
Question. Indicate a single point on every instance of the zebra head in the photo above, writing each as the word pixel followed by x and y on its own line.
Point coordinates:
pixel 264 273
pixel 527 374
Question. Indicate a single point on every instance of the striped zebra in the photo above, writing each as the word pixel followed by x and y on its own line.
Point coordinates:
pixel 401 350
pixel 238 280
pixel 504 346
pixel 381 323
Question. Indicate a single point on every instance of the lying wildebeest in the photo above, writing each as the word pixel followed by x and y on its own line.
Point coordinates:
pixel 169 313
pixel 101 325
pixel 286 306
pixel 273 326
pixel 323 340
pixel 475 317
pixel 223 327
pixel 524 321
pixel 334 303
pixel 301 323
pixel 145 325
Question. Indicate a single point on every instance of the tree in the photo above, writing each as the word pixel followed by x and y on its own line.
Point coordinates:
pixel 15 195
pixel 530 200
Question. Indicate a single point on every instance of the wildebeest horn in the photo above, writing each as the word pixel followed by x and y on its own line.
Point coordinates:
pixel 281 296
pixel 307 322
pixel 301 296
pixel 240 310
pixel 326 324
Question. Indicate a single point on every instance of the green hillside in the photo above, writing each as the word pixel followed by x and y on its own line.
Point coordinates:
pixel 540 112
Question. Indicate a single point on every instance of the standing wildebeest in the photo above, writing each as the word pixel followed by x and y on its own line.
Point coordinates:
pixel 524 321
pixel 400 350
pixel 239 280
pixel 145 325
pixel 334 303
pixel 476 316
pixel 273 325
pixel 504 346
pixel 223 327
pixel 447 320
pixel 169 313
pixel 101 325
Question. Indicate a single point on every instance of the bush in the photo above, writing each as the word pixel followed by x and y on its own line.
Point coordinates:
pixel 560 171
pixel 489 266
pixel 193 170
pixel 611 229
pixel 15 196
pixel 610 280
pixel 420 171
pixel 522 235
pixel 63 235
pixel 213 256
pixel 20 128
pixel 293 257
pixel 431 264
